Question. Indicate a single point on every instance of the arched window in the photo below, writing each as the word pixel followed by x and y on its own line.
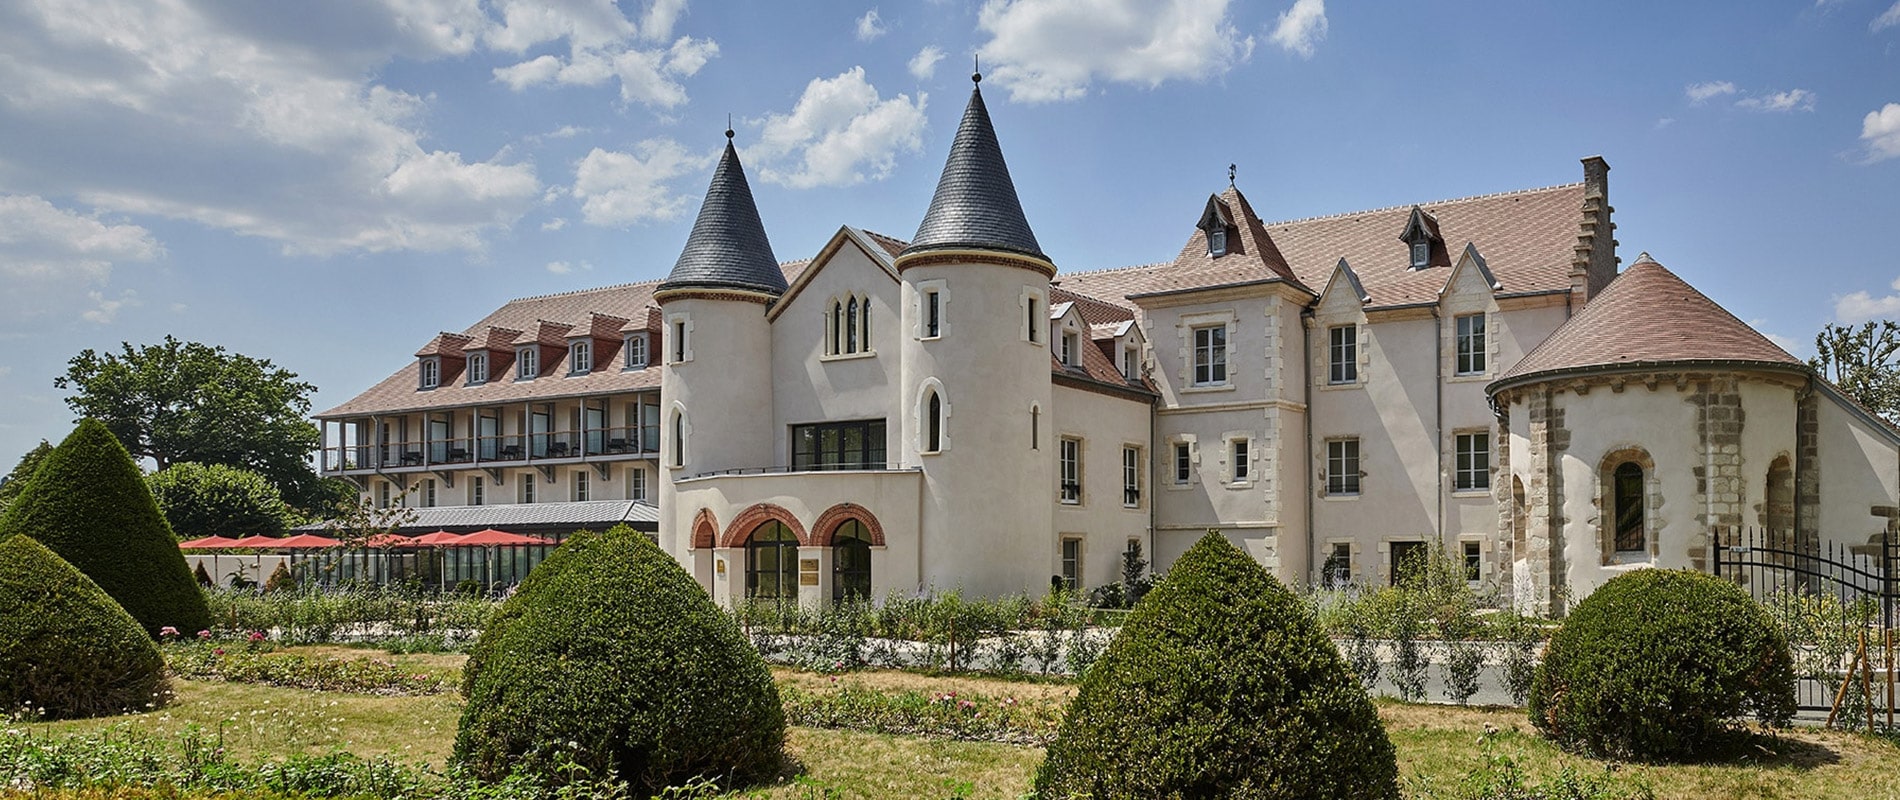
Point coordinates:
pixel 836 324
pixel 771 563
pixel 933 425
pixel 850 562
pixel 679 439
pixel 851 326
pixel 1035 427
pixel 1629 507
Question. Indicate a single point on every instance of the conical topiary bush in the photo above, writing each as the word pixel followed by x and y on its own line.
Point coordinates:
pixel 88 503
pixel 611 656
pixel 65 647
pixel 1220 685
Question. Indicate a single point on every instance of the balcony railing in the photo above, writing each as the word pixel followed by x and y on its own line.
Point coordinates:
pixel 597 443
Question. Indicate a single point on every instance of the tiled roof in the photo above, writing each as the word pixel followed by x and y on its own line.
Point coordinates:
pixel 1251 255
pixel 1094 311
pixel 975 205
pixel 728 247
pixel 1649 316
pixel 1528 239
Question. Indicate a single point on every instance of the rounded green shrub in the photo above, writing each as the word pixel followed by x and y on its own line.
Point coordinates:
pixel 1220 684
pixel 200 500
pixel 1660 665
pixel 65 647
pixel 611 658
pixel 88 503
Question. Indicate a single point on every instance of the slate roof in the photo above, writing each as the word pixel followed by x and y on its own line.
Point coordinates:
pixel 975 206
pixel 1528 239
pixel 511 517
pixel 1648 316
pixel 727 248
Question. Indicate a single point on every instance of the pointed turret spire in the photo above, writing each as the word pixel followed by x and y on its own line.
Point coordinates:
pixel 975 206
pixel 727 248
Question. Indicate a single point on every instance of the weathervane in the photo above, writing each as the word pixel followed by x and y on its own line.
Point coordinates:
pixel 1230 174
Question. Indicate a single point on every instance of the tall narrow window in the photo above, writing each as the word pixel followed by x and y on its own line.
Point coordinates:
pixel 1035 427
pixel 1342 347
pixel 1131 477
pixel 1474 462
pixel 1342 466
pixel 933 431
pixel 1629 507
pixel 636 349
pixel 428 493
pixel 850 562
pixel 1421 252
pixel 1131 363
pixel 1071 563
pixel 525 494
pixel 1474 562
pixel 477 368
pixel 431 373
pixel 933 313
pixel 1034 321
pixel 580 357
pixel 477 491
pixel 851 327
pixel 527 363
pixel 1071 349
pixel 1217 242
pixel 1210 355
pixel 1183 463
pixel 1471 344
pixel 636 483
pixel 679 341
pixel 864 326
pixel 382 494
pixel 1238 451
pixel 679 439
pixel 1071 460
pixel 580 486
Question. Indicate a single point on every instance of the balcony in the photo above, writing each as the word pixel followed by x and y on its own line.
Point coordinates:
pixel 494 452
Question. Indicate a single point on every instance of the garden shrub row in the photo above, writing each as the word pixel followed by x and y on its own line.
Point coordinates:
pixel 971 716
pixel 207 661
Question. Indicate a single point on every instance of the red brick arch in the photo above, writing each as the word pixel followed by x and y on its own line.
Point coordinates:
pixel 705 528
pixel 828 522
pixel 758 514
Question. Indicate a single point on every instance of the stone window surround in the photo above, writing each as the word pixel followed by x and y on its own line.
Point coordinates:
pixel 925 289
pixel 1194 459
pixel 1606 502
pixel 1185 328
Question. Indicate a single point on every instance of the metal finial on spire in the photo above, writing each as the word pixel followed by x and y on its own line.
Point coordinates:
pixel 728 126
pixel 976 68
pixel 1230 174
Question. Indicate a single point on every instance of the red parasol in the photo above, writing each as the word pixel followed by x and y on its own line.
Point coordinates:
pixel 258 541
pixel 437 539
pixel 208 543
pixel 308 541
pixel 493 538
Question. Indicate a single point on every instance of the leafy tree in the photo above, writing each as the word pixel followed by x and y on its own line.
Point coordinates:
pixel 89 504
pixel 16 480
pixel 202 500
pixel 1864 361
pixel 185 401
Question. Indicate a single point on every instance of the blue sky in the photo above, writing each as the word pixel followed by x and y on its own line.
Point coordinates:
pixel 328 184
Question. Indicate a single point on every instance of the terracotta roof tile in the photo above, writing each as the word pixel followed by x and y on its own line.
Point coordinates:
pixel 1528 238
pixel 1649 316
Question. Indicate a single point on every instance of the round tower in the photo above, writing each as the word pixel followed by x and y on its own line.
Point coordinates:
pixel 975 394
pixel 716 352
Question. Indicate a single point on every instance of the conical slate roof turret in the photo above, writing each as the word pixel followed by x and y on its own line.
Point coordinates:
pixel 727 248
pixel 975 206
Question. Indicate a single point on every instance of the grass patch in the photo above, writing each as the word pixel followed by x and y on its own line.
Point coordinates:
pixel 1437 745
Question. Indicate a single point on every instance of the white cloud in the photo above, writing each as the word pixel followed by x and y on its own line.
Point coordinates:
pixel 57 263
pixel 269 120
pixel 1301 27
pixel 560 267
pixel 1888 19
pixel 1779 102
pixel 1045 50
pixel 104 310
pixel 870 26
pixel 1700 93
pixel 839 133
pixel 1665 122
pixel 924 64
pixel 554 224
pixel 618 189
pixel 1862 305
pixel 658 23
pixel 1881 131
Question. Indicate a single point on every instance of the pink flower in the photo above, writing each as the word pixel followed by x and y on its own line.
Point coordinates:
pixel 217 651
pixel 168 631
pixel 257 636
pixel 204 634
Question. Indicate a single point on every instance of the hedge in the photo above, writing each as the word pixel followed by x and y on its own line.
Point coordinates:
pixel 66 649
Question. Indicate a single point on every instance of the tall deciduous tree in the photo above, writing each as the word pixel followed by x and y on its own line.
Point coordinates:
pixel 185 401
pixel 1864 361
pixel 202 500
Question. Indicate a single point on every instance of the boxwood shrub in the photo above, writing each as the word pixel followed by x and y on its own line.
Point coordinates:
pixel 88 503
pixel 1660 665
pixel 1220 685
pixel 66 648
pixel 611 658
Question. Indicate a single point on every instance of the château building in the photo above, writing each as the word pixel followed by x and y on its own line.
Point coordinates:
pixel 953 411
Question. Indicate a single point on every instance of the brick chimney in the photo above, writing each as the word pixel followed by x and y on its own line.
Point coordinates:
pixel 1595 262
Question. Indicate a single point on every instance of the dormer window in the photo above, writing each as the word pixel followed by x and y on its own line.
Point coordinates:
pixel 1421 230
pixel 1421 253
pixel 477 368
pixel 1217 242
pixel 580 357
pixel 1071 349
pixel 636 351
pixel 1217 222
pixel 527 363
pixel 431 373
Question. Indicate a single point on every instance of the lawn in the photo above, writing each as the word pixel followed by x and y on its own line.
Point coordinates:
pixel 1437 745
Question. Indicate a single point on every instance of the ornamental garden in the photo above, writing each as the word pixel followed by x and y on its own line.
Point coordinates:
pixel 609 672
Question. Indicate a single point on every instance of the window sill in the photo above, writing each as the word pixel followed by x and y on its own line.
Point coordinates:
pixel 1246 484
pixel 633 368
pixel 1334 387
pixel 1475 377
pixel 1210 387
pixel 1339 498
pixel 1177 487
pixel 580 374
pixel 848 356
pixel 1474 492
